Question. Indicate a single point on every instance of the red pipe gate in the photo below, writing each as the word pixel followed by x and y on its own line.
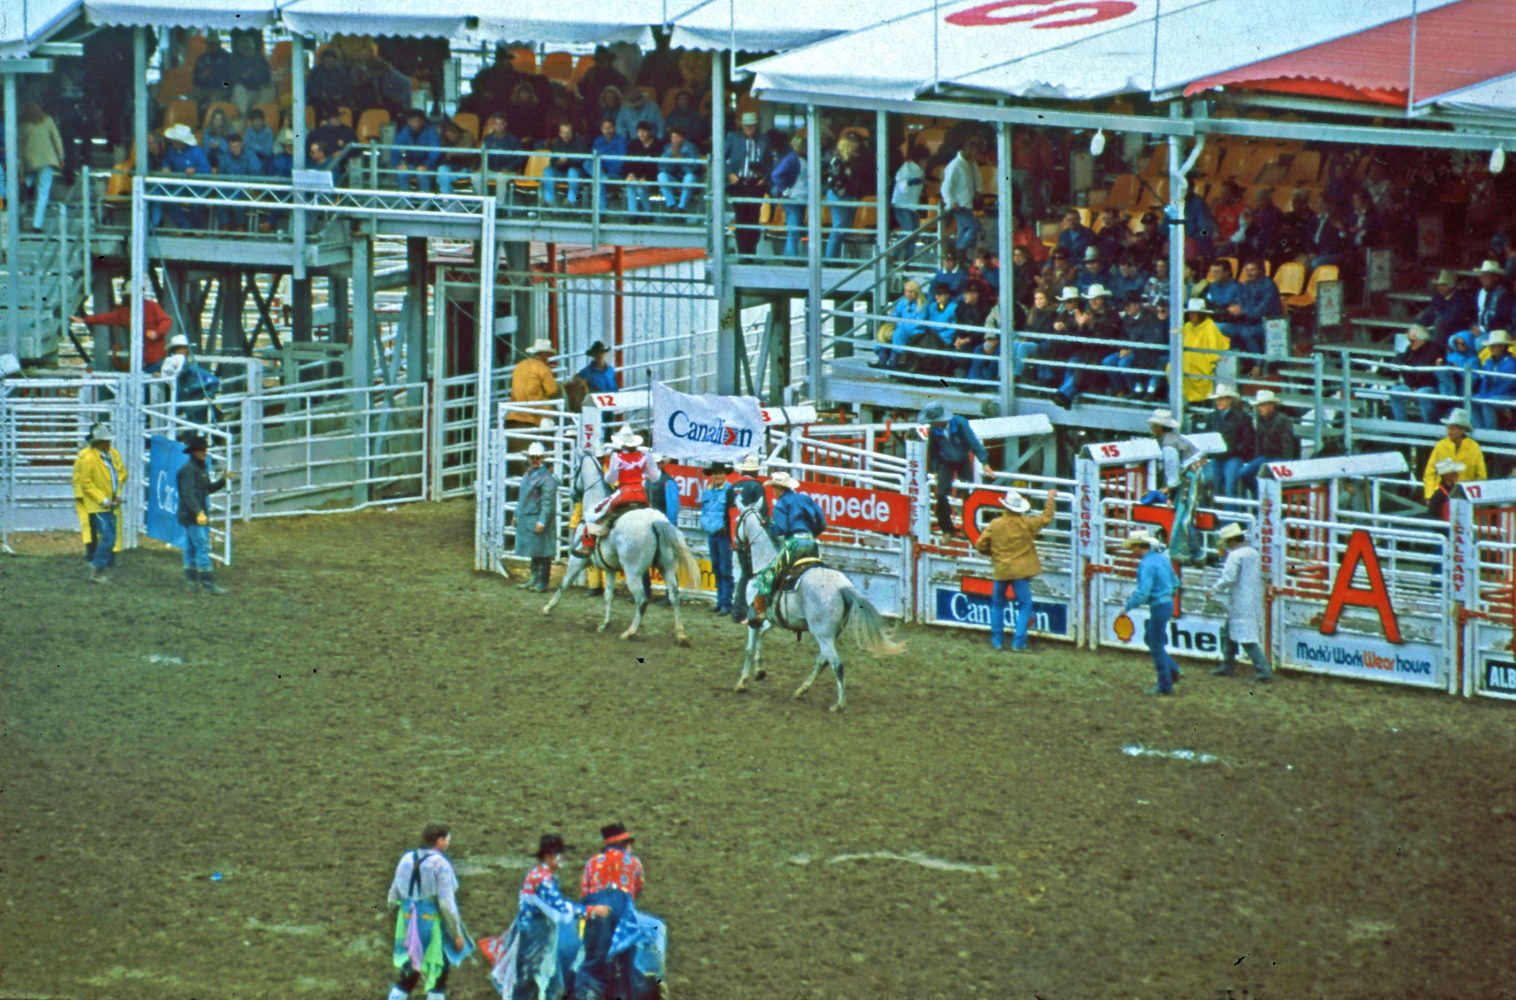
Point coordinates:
pixel 1484 580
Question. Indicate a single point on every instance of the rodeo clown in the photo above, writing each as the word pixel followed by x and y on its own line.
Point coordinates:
pixel 796 524
pixel 430 938
pixel 631 469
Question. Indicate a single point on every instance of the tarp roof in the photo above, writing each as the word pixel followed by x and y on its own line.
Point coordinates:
pixel 554 22
pixel 1456 47
pixel 22 25
pixel 1496 99
pixel 1077 50
pixel 223 15
pixel 779 25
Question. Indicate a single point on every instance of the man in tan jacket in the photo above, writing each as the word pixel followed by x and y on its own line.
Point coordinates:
pixel 1011 543
pixel 533 382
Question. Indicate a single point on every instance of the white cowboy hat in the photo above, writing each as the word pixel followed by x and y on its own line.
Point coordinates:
pixel 541 346
pixel 1447 466
pixel 1491 267
pixel 1458 418
pixel 1097 291
pixel 534 449
pixel 1265 396
pixel 784 480
pixel 1446 277
pixel 178 340
pixel 1093 253
pixel 1224 391
pixel 748 118
pixel 626 439
pixel 1197 306
pixel 1163 418
pixel 1230 532
pixel 1417 332
pixel 1069 294
pixel 1498 337
pixel 102 432
pixel 180 133
pixel 1139 538
pixel 1015 503
pixel 749 463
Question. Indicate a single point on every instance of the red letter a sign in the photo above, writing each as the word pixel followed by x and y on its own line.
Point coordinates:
pixel 1360 549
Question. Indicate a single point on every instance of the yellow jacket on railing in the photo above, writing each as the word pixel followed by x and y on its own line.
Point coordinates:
pixel 93 486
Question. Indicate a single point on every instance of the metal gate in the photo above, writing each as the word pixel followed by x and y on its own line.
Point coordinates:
pixel 1484 575
pixel 499 481
pixel 1355 593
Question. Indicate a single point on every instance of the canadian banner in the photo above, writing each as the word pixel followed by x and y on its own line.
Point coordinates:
pixel 705 428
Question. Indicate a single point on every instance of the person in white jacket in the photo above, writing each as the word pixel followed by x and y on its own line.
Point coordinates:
pixel 905 198
pixel 960 185
pixel 1241 585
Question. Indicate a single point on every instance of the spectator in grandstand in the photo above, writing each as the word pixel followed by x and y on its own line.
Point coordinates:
pixel 527 114
pixel 1199 223
pixel 598 374
pixel 1273 439
pixel 99 490
pixel 950 446
pixel 1064 322
pixel 1023 284
pixel 195 487
pixel 330 84
pixel 213 135
pixel 846 178
pixel 1363 221
pixel 1261 230
pixel 317 158
pixel 749 164
pixel 905 197
pixel 41 156
pixel 282 164
pixel 1156 288
pixel 1156 583
pixel 1011 543
pixel 1040 319
pixel 533 381
pixel 537 518
pixel 237 161
pixel 686 116
pixel 1144 326
pixel 970 312
pixel 249 72
pixel 1075 237
pixel 419 150
pixel 1098 324
pixel 1231 421
pixel 602 74
pixel 636 110
pixel 1228 212
pixel 609 148
pixel 1450 310
pixel 1493 303
pixel 377 84
pixel 258 137
pixel 941 314
pixel 1128 278
pixel 1059 273
pixel 1448 472
pixel 210 73
pixel 641 171
pixel 1495 394
pixel 156 327
pixel 1093 272
pixel 1241 584
pixel 566 161
pixel 960 187
pixel 1220 290
pixel 183 156
pixel 1024 235
pixel 503 149
pixel 788 181
pixel 1204 344
pixel 1458 446
pixel 909 312
pixel 715 499
pixel 425 890
pixel 1332 240
pixel 1255 299
pixel 971 304
pixel 1341 185
pixel 1111 237
pixel 1298 227
pixel 1461 362
pixel 984 365
pixel 950 272
pixel 333 135
pixel 1418 368
pixel 679 173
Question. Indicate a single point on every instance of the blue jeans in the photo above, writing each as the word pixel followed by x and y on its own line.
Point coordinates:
pixel 550 175
pixel 422 175
pixel 794 227
pixel 447 174
pixel 998 599
pixel 1427 407
pixel 1121 382
pixel 42 180
pixel 686 193
pixel 721 565
pixel 638 201
pixel 906 220
pixel 608 182
pixel 1245 337
pixel 197 547
pixel 102 530
pixel 1487 415
pixel 1156 635
pixel 969 229
pixel 601 977
pixel 1225 475
pixel 1020 351
pixel 1247 476
pixel 842 220
pixel 1229 648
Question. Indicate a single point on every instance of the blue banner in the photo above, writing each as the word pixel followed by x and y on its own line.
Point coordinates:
pixel 954 607
pixel 165 458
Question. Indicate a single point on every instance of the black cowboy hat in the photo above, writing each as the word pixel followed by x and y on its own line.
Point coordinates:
pixel 598 347
pixel 615 833
pixel 550 843
pixel 195 443
pixel 717 469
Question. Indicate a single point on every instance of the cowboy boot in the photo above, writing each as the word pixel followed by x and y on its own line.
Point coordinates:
pixel 191 581
pixel 208 583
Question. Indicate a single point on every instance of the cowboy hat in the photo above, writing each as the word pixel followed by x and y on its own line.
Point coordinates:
pixel 535 449
pixel 626 439
pixel 1163 418
pixel 934 413
pixel 178 340
pixel 1265 396
pixel 1137 538
pixel 287 137
pixel 1097 291
pixel 550 843
pixel 541 346
pixel 102 431
pixel 598 347
pixel 1491 267
pixel 1224 391
pixel 1197 306
pixel 749 463
pixel 1093 253
pixel 748 118
pixel 1446 277
pixel 1417 332
pixel 1015 503
pixel 615 833
pixel 1230 532
pixel 180 133
pixel 1069 294
pixel 1497 337
pixel 784 480
pixel 1447 466
pixel 1458 418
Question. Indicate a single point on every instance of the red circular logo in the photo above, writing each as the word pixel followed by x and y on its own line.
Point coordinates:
pixel 1081 12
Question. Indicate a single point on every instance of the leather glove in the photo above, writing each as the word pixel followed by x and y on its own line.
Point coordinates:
pixel 201 519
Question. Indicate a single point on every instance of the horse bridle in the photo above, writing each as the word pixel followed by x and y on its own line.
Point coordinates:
pixel 740 544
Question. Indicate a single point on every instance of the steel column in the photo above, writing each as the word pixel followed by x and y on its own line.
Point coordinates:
pixel 139 102
pixel 12 223
pixel 361 352
pixel 813 324
pixel 1005 219
pixel 1177 194
pixel 297 125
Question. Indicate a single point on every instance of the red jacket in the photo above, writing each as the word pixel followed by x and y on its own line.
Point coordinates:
pixel 155 328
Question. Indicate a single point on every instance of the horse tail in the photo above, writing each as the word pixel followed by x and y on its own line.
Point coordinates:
pixel 868 626
pixel 671 541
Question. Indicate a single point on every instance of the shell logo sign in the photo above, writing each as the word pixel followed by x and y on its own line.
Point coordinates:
pixel 1123 627
pixel 1049 13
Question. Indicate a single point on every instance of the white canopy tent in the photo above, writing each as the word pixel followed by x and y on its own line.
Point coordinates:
pixel 1069 52
pixel 779 25
pixel 224 15
pixel 24 24
pixel 549 21
pixel 1493 102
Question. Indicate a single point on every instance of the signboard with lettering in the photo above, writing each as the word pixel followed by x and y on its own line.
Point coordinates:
pixel 1414 663
pixel 1500 677
pixel 956 607
pixel 1194 636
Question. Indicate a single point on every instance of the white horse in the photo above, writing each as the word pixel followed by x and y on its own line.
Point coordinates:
pixel 824 603
pixel 639 540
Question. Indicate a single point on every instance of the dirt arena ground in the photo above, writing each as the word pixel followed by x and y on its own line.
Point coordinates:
pixel 1350 841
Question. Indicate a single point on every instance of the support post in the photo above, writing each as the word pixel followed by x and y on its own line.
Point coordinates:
pixel 100 342
pixel 484 350
pixel 297 125
pixel 813 323
pixel 139 102
pixel 415 314
pixel 881 195
pixel 1005 215
pixel 300 309
pixel 360 363
pixel 1177 194
pixel 12 223
pixel 718 168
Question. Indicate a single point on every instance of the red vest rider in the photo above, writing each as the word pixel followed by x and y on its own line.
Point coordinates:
pixel 631 469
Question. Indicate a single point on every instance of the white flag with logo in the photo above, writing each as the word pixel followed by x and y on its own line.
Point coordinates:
pixel 705 428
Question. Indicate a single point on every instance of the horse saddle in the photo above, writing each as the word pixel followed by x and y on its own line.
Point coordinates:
pixel 790 578
pixel 615 515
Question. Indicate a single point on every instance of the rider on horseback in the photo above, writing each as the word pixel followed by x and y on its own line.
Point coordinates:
pixel 797 522
pixel 631 469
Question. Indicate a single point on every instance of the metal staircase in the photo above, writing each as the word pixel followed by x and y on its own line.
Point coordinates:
pixel 52 279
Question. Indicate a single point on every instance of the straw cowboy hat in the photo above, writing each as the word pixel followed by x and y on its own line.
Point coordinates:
pixel 784 480
pixel 1448 466
pixel 1446 277
pixel 1498 337
pixel 541 346
pixel 1459 418
pixel 1491 267
pixel 1417 332
pixel 287 137
pixel 749 118
pixel 934 413
pixel 180 133
pixel 1197 306
pixel 1265 396
pixel 178 340
pixel 626 439
pixel 102 432
pixel 1069 294
pixel 749 463
pixel 535 449
pixel 1224 391
pixel 1137 538
pixel 1093 253
pixel 1230 532
pixel 1097 291
pixel 1163 418
pixel 1015 503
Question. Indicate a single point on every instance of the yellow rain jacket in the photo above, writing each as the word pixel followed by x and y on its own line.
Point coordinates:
pixel 1201 342
pixel 92 487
